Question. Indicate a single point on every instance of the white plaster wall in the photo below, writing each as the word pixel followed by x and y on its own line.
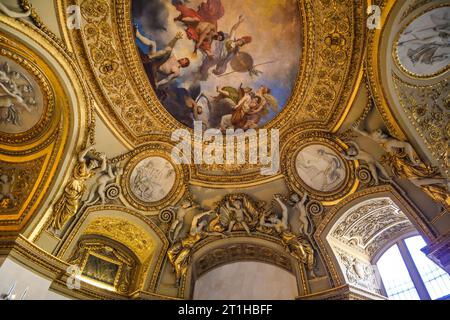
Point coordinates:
pixel 38 286
pixel 246 281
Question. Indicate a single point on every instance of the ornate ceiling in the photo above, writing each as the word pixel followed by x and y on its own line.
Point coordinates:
pixel 92 97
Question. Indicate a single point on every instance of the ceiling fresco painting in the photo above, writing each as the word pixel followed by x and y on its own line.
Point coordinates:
pixel 225 63
pixel 118 169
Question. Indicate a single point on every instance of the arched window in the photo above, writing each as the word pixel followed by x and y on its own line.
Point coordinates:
pixel 408 274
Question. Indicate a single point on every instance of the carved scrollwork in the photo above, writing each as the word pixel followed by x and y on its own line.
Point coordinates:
pixel 113 191
pixel 166 215
pixel 364 175
pixel 315 208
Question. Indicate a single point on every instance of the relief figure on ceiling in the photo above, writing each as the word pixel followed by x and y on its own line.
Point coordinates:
pixel 236 212
pixel 404 163
pixel 68 203
pixel 246 52
pixel 376 169
pixel 296 245
pixel 180 253
pixel 6 190
pixel 152 179
pixel 100 188
pixel 299 206
pixel 424 47
pixel 19 108
pixel 390 144
pixel 320 168
pixel 180 215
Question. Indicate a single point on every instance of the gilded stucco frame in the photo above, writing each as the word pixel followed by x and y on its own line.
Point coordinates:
pixel 309 94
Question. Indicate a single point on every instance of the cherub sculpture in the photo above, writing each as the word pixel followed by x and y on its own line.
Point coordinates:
pixel 108 175
pixel 297 246
pixel 390 144
pixel 236 212
pixel 300 208
pixel 354 153
pixel 178 222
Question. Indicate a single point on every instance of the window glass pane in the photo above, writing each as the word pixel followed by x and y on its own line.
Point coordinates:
pixel 396 279
pixel 436 279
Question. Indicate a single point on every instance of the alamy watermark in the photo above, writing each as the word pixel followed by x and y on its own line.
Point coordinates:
pixel 374 18
pixel 73 17
pixel 255 147
pixel 73 281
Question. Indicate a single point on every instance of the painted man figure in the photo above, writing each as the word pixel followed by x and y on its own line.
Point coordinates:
pixel 164 61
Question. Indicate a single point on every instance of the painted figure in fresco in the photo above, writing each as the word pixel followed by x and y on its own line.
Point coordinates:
pixel 12 97
pixel 224 52
pixel 224 58
pixel 201 24
pixel 164 61
pixel 148 178
pixel 426 47
pixel 248 107
pixel 330 174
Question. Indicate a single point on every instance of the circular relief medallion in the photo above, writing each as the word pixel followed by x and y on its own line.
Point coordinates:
pixel 423 48
pixel 317 167
pixel 21 100
pixel 152 179
pixel 320 168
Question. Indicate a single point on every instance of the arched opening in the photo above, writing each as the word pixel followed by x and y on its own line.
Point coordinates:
pixel 244 268
pixel 378 248
pixel 246 280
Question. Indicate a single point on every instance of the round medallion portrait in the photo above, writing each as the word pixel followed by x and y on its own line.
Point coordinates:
pixel 320 168
pixel 423 48
pixel 152 179
pixel 21 100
